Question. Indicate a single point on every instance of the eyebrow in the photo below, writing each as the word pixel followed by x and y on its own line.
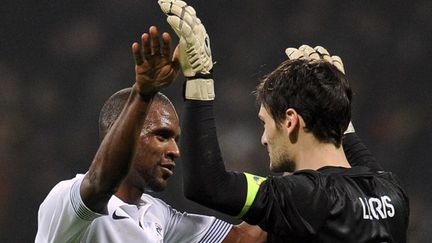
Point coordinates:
pixel 167 131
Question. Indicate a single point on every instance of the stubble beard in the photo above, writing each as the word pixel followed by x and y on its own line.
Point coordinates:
pixel 280 163
pixel 152 182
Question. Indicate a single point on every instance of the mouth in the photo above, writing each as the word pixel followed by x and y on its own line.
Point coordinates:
pixel 168 167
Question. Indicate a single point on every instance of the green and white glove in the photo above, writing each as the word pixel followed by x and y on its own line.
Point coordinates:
pixel 318 53
pixel 194 49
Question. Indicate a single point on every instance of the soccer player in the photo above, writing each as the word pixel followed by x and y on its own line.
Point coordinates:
pixel 140 128
pixel 305 109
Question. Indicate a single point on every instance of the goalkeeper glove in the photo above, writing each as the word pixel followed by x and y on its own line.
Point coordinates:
pixel 317 53
pixel 194 49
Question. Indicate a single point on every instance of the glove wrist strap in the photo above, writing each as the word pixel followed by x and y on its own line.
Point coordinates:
pixel 199 89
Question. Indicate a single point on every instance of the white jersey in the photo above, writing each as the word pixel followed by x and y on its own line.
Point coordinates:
pixel 63 217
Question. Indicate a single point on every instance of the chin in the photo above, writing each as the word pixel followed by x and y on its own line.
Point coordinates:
pixel 157 185
pixel 281 166
pixel 275 168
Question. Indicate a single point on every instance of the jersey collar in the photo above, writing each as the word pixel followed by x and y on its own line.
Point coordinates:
pixel 343 170
pixel 115 204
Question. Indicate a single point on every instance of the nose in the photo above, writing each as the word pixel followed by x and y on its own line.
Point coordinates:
pixel 173 150
pixel 264 139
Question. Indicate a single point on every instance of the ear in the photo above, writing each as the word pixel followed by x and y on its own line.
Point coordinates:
pixel 292 119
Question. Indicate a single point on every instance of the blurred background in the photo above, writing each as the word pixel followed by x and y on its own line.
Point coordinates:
pixel 60 60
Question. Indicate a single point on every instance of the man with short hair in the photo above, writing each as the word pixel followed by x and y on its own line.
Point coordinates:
pixel 305 107
pixel 139 129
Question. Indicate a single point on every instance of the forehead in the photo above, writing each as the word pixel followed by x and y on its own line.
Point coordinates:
pixel 263 113
pixel 162 116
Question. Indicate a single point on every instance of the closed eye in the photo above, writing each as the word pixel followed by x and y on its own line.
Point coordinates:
pixel 165 134
pixel 261 121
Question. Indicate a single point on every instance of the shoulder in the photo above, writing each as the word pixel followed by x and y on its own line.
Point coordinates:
pixel 64 186
pixel 304 182
pixel 62 214
pixel 291 203
pixel 302 190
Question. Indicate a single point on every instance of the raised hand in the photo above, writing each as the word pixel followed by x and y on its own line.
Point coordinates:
pixel 317 53
pixel 195 53
pixel 155 67
pixel 194 49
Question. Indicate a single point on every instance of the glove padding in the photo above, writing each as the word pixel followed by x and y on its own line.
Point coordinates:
pixel 194 47
pixel 317 53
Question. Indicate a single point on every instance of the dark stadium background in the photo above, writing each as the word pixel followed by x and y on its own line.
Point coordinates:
pixel 60 60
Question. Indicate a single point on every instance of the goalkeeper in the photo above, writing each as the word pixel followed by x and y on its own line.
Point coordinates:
pixel 335 194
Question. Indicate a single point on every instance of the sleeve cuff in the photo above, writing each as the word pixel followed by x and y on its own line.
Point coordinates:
pixel 78 205
pixel 199 89
pixel 217 232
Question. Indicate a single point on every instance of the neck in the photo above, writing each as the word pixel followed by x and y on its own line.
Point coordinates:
pixel 129 194
pixel 314 154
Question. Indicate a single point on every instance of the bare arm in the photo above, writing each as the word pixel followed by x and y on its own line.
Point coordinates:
pixel 154 70
pixel 246 233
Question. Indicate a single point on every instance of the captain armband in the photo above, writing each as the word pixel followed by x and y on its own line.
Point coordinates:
pixel 253 184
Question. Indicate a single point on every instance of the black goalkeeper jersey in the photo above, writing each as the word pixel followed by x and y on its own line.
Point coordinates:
pixel 358 204
pixel 331 205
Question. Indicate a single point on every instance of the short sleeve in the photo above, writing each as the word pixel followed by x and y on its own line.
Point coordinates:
pixel 62 216
pixel 290 205
pixel 195 228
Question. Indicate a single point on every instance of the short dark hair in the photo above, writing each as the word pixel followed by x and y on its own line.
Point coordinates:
pixel 114 106
pixel 317 90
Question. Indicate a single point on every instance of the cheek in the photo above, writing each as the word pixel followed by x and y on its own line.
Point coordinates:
pixel 269 136
pixel 276 143
pixel 146 155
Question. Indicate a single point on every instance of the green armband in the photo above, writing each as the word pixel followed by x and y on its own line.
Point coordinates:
pixel 253 184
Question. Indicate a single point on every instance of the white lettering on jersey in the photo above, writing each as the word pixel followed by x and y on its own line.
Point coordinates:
pixel 390 209
pixel 377 208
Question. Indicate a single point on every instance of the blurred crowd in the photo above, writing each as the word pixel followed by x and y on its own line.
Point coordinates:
pixel 60 60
